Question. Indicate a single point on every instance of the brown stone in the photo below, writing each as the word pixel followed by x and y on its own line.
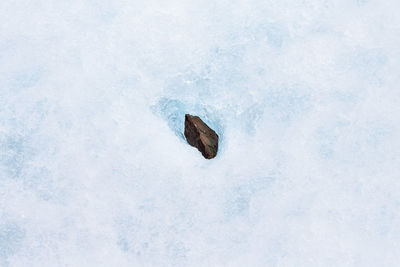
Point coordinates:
pixel 199 135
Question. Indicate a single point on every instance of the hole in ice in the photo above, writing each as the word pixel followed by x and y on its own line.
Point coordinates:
pixel 173 111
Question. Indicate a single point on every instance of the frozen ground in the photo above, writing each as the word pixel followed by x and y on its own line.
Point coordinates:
pixel 304 94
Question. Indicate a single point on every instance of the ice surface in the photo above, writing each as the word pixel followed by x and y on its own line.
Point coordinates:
pixel 94 170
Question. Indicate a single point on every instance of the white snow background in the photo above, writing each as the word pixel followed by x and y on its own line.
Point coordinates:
pixel 304 95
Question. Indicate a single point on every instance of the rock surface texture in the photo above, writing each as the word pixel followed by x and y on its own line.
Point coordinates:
pixel 199 135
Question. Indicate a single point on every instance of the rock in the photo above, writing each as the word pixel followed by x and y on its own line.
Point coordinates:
pixel 199 135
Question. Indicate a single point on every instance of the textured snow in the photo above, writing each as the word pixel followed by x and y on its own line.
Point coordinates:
pixel 95 171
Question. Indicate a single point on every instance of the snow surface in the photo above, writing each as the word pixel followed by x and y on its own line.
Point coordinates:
pixel 304 94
